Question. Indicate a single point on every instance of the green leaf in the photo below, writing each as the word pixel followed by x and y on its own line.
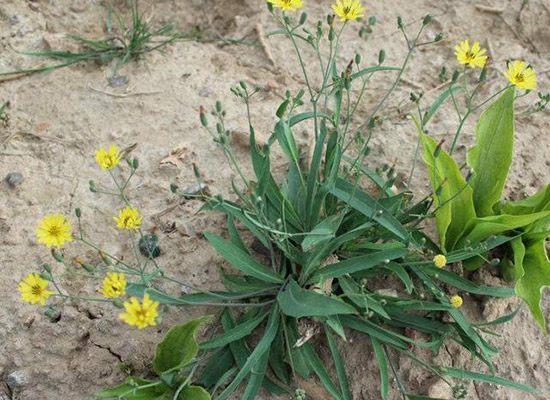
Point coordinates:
pixel 536 203
pixel 129 390
pixel 496 380
pixel 241 260
pixel 369 207
pixel 323 232
pixel 218 365
pixel 236 333
pixel 382 366
pixel 491 156
pixel 373 330
pixel 194 393
pixel 296 119
pixel 179 347
pixel 338 365
pixel 257 375
pixel 261 348
pixel 297 302
pixel 317 366
pixel 286 140
pixel 535 276
pixel 452 90
pixel 495 225
pixel 453 197
pixel 357 264
pixel 450 278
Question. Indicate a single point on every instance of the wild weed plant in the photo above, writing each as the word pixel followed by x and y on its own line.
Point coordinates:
pixel 324 248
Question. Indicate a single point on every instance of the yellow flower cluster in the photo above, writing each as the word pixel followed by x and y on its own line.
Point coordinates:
pixel 440 261
pixel 519 73
pixel 54 231
pixel 34 289
pixel 346 10
pixel 139 314
pixel 114 285
pixel 456 301
pixel 128 218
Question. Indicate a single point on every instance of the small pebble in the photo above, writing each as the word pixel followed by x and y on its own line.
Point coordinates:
pixel 18 379
pixel 118 81
pixel 14 19
pixel 195 189
pixel 14 179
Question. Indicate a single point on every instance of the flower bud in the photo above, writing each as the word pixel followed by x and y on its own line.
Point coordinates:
pixel 381 56
pixel 92 187
pixel 303 18
pixel 219 107
pixel 400 22
pixel 135 163
pixel 58 256
pixel 438 37
pixel 456 75
pixel 47 268
pixel 204 120
pixel 47 276
pixel 88 267
pixel 427 19
pixel 358 59
pixel 173 188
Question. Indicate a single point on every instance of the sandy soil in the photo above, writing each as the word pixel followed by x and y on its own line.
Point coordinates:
pixel 57 120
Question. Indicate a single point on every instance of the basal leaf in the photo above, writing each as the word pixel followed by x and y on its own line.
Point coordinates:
pixel 323 232
pixel 535 277
pixel 491 156
pixel 129 390
pixel 242 260
pixel 236 333
pixel 194 393
pixel 297 302
pixel 453 197
pixel 495 225
pixel 179 346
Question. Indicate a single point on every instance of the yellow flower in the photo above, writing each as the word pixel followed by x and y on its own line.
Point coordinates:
pixel 34 289
pixel 140 315
pixel 291 5
pixel 440 261
pixel 108 158
pixel 456 301
pixel 114 285
pixel 348 10
pixel 54 231
pixel 471 56
pixel 128 218
pixel 522 75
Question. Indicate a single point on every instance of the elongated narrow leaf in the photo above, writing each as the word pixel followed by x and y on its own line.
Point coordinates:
pixel 357 264
pixel 451 91
pixel 338 365
pixel 384 335
pixel 535 276
pixel 323 232
pixel 297 302
pixel 286 140
pixel 491 156
pixel 450 278
pixel 236 333
pixel 261 349
pixel 241 260
pixel 453 197
pixel 496 380
pixel 296 119
pixel 131 392
pixel 536 203
pixel 257 375
pixel 382 367
pixel 317 366
pixel 369 207
pixel 194 393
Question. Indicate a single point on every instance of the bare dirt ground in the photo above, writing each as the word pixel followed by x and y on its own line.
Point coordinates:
pixel 57 120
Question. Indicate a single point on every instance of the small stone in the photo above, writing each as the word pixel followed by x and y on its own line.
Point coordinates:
pixel 18 379
pixel 196 189
pixel 14 20
pixel 118 81
pixel 14 179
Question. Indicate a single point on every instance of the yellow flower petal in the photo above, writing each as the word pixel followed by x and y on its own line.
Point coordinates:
pixel 114 285
pixel 140 315
pixel 54 231
pixel 473 57
pixel 521 75
pixel 108 158
pixel 291 5
pixel 34 289
pixel 128 218
pixel 348 10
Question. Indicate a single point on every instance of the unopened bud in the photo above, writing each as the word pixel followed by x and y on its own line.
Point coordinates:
pixel 219 107
pixel 58 256
pixel 92 187
pixel 303 18
pixel 427 19
pixel 204 120
pixel 47 268
pixel 118 303
pixel 381 56
pixel 78 212
pixel 400 22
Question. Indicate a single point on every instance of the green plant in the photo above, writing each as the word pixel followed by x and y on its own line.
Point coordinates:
pixel 316 254
pixel 472 210
pixel 124 42
pixel 174 363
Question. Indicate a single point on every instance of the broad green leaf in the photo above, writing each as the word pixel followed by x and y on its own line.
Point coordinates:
pixel 491 156
pixel 382 367
pixel 368 206
pixel 194 393
pixel 535 277
pixel 357 264
pixel 297 302
pixel 453 197
pixel 129 390
pixel 496 380
pixel 256 379
pixel 286 140
pixel 236 333
pixel 540 201
pixel 498 224
pixel 217 366
pixel 179 347
pixel 242 260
